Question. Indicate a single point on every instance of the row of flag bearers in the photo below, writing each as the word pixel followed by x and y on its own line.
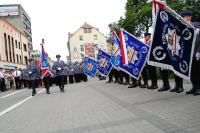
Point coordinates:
pixel 58 71
pixel 174 46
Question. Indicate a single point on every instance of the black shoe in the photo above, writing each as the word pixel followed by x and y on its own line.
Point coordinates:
pixel 33 93
pixel 48 92
pixel 174 90
pixel 164 89
pixel 132 86
pixel 180 90
pixel 153 87
pixel 108 82
pixel 191 91
pixel 196 92
pixel 126 83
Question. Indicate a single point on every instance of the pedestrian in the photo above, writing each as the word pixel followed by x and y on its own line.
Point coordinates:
pixel 17 76
pixel 59 69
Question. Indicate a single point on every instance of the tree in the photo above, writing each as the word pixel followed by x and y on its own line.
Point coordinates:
pixel 138 15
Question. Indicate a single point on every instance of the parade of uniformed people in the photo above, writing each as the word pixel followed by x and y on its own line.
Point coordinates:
pixel 128 66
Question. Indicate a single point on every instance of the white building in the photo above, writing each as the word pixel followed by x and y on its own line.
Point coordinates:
pixel 84 42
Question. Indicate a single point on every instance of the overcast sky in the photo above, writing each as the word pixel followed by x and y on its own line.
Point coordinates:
pixel 52 20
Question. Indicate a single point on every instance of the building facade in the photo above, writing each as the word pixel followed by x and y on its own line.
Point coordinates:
pixel 85 42
pixel 17 16
pixel 13 46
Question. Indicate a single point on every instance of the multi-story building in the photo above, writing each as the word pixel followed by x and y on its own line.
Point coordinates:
pixel 13 45
pixel 17 16
pixel 85 42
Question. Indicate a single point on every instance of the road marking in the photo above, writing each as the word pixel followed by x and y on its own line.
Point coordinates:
pixel 17 104
pixel 11 94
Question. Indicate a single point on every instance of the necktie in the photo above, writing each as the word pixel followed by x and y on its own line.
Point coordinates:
pixel 16 74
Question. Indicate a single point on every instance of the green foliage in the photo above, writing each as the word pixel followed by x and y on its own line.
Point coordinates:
pixel 138 15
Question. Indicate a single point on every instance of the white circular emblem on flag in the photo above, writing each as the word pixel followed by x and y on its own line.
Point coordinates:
pixel 144 50
pixel 159 53
pixel 183 66
pixel 164 17
pixel 186 34
pixel 125 37
pixel 44 63
pixel 135 71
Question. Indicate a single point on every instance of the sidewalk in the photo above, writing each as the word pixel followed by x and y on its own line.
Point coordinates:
pixel 99 107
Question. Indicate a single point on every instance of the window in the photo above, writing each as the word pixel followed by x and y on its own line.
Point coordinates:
pixel 25 48
pixel 20 59
pixel 17 58
pixel 82 48
pixel 95 37
pixel 26 60
pixel 85 30
pixel 19 45
pixel 81 38
pixel 89 30
pixel 13 49
pixel 9 44
pixel 6 49
pixel 16 44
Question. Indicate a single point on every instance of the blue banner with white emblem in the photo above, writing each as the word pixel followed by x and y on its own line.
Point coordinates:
pixel 90 67
pixel 116 58
pixel 173 42
pixel 137 54
pixel 104 65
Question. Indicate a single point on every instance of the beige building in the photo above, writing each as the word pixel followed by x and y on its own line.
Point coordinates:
pixel 84 42
pixel 13 46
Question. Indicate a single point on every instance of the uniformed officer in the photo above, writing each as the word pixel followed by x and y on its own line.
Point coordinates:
pixel 47 81
pixel 59 69
pixel 178 80
pixel 151 69
pixel 195 72
pixel 33 74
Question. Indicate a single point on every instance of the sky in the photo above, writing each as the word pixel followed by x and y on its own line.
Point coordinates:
pixel 52 20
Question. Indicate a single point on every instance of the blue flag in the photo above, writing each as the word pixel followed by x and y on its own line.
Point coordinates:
pixel 90 67
pixel 44 63
pixel 136 54
pixel 173 42
pixel 116 58
pixel 104 65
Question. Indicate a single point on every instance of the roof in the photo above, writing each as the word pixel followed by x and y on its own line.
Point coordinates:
pixel 85 25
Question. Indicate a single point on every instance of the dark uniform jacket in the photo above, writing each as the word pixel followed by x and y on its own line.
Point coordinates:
pixel 59 68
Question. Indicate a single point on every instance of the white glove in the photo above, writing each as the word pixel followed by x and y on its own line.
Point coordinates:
pixel 197 56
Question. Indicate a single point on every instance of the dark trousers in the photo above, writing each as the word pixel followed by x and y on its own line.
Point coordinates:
pixel 65 79
pixel 127 78
pixel 33 85
pixel 2 84
pixel 84 77
pixel 195 74
pixel 178 81
pixel 17 82
pixel 71 79
pixel 145 75
pixel 152 74
pixel 46 81
pixel 60 81
pixel 77 78
pixel 134 81
pixel 111 74
pixel 29 84
pixel 165 77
